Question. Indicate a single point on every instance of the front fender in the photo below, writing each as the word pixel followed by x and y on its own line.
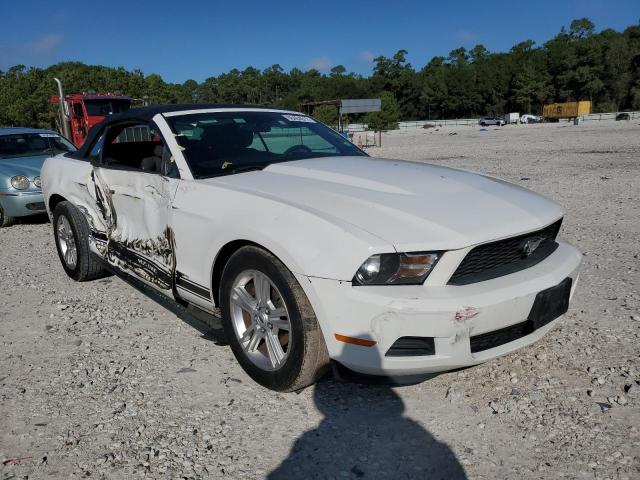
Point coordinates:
pixel 206 217
pixel 71 179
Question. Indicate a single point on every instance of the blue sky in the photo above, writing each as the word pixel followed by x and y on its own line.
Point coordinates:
pixel 198 38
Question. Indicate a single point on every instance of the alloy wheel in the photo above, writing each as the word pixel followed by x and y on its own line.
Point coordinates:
pixel 67 242
pixel 260 319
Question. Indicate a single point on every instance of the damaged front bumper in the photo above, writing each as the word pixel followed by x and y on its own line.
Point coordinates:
pixel 450 315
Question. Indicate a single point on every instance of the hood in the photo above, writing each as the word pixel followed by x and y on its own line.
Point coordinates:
pixel 414 206
pixel 28 166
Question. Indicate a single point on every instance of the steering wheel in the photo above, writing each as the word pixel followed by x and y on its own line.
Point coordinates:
pixel 297 148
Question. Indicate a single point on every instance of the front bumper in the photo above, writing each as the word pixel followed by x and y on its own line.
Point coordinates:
pixel 22 203
pixel 385 313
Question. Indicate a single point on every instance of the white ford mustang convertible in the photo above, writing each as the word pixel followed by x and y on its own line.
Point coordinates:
pixel 313 251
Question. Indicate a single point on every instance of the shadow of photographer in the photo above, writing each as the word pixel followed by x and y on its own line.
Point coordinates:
pixel 364 434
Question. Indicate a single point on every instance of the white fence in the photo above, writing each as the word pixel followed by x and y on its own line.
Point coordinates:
pixel 608 116
pixel 361 127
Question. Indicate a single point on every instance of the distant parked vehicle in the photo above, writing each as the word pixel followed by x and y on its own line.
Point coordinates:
pixel 556 111
pixel 512 117
pixel 484 122
pixel 22 153
pixel 78 112
pixel 623 116
pixel 526 118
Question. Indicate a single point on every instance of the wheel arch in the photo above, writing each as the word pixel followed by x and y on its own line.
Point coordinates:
pixel 221 259
pixel 54 200
pixel 231 247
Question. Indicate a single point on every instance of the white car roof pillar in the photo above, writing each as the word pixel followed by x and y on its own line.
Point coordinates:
pixel 174 147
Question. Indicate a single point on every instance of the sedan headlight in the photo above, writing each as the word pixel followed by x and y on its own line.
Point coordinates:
pixel 20 182
pixel 396 268
pixel 37 182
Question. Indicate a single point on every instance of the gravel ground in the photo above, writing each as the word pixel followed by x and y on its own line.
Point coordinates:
pixel 98 380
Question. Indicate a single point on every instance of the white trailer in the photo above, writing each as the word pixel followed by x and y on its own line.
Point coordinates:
pixel 511 117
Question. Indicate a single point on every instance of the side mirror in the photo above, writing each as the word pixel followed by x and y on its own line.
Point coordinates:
pixel 168 167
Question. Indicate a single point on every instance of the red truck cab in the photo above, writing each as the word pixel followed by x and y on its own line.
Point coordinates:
pixel 84 110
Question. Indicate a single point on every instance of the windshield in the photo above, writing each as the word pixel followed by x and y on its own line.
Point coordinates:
pixel 224 143
pixel 106 107
pixel 30 144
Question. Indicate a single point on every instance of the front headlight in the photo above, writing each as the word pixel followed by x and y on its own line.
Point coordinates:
pixel 396 268
pixel 20 182
pixel 37 182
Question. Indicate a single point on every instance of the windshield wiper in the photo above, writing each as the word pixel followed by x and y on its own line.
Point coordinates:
pixel 238 169
pixel 248 168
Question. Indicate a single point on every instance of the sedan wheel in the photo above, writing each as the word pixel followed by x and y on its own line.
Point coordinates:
pixel 260 319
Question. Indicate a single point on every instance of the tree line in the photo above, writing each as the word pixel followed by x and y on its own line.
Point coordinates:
pixel 576 64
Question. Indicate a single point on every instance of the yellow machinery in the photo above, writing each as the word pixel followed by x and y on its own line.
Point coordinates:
pixel 566 110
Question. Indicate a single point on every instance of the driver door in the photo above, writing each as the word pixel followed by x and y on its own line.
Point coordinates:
pixel 134 189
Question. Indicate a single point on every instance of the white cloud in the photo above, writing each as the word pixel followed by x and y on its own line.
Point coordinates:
pixel 367 56
pixel 45 44
pixel 322 64
pixel 466 36
pixel 39 51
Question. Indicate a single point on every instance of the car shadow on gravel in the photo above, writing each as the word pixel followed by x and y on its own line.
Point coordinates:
pixel 364 434
pixel 209 326
pixel 38 219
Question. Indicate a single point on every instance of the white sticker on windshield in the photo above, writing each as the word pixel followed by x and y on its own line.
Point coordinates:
pixel 48 135
pixel 299 118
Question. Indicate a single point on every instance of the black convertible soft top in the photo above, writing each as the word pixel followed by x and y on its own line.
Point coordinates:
pixel 145 114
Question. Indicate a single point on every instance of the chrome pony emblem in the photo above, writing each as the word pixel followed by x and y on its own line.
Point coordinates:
pixel 530 245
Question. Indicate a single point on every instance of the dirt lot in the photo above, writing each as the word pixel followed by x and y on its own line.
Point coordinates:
pixel 97 380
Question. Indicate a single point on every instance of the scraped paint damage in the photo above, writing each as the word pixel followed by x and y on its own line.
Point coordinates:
pixel 385 325
pixel 463 322
pixel 139 242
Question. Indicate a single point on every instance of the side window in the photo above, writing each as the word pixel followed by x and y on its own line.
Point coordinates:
pixel 136 147
pixel 77 110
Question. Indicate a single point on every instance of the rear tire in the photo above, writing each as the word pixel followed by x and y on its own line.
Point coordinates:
pixel 71 232
pixel 303 353
pixel 5 221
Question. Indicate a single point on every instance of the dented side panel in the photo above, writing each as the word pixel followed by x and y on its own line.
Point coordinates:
pixel 128 214
pixel 73 180
pixel 135 208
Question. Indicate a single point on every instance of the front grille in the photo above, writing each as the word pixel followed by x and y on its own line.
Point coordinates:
pixel 500 337
pixel 411 347
pixel 503 257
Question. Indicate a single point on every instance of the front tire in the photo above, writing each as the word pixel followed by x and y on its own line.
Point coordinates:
pixel 71 233
pixel 269 322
